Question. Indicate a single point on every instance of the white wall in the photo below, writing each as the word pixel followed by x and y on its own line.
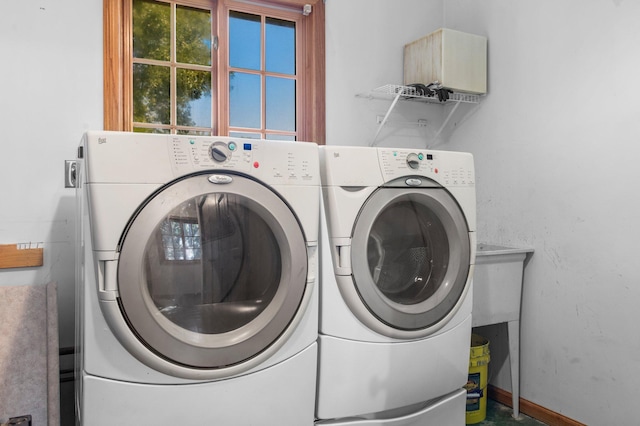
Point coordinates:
pixel 556 145
pixel 50 93
pixel 364 49
pixel 555 142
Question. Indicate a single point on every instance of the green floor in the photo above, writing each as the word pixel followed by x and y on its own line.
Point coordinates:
pixel 501 415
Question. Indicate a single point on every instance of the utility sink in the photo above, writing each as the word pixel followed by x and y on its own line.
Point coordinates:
pixel 497 283
pixel 497 290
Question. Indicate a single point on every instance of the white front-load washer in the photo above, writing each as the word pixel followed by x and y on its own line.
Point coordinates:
pixel 397 256
pixel 197 296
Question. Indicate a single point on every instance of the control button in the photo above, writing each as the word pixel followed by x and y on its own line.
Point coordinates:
pixel 413 161
pixel 256 164
pixel 232 146
pixel 420 157
pixel 219 152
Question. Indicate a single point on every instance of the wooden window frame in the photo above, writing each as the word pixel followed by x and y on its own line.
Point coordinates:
pixel 117 53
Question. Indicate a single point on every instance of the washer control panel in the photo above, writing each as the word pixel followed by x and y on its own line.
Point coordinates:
pixel 191 153
pixel 448 168
pixel 274 161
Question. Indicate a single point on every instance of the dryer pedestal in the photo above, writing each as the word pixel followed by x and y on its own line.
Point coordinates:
pixel 362 377
pixel 448 410
pixel 247 399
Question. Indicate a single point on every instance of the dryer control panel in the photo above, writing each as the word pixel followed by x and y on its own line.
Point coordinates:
pixel 446 167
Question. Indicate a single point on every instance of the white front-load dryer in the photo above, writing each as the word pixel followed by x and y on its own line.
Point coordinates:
pixel 397 253
pixel 197 297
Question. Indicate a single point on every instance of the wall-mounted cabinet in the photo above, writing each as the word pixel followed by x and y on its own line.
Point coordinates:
pixel 454 59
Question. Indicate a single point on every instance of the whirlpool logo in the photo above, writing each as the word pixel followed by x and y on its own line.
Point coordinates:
pixel 220 179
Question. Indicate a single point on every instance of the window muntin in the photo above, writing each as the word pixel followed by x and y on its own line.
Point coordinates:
pixel 172 89
pixel 119 71
pixel 263 77
pixel 172 68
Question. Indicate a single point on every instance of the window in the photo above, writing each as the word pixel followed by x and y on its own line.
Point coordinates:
pixel 172 68
pixel 180 239
pixel 239 68
pixel 262 76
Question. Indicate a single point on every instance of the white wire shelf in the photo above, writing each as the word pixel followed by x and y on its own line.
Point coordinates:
pixel 390 91
pixel 397 92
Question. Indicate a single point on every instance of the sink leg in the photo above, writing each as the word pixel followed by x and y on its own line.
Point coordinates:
pixel 514 360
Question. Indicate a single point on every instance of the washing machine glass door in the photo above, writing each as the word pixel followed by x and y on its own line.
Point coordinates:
pixel 410 257
pixel 212 271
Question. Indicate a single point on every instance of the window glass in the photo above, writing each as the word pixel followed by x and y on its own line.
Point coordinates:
pixel 280 45
pixel 193 36
pixel 244 40
pixel 152 89
pixel 408 252
pixel 245 96
pixel 277 137
pixel 193 98
pixel 150 130
pixel 194 132
pixel 280 104
pixel 246 135
pixel 180 239
pixel 151 30
pixel 206 271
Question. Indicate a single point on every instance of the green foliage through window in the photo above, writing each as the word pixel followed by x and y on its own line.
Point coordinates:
pixel 174 67
pixel 172 86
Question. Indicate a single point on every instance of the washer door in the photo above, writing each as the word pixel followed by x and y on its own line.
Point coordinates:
pixel 410 259
pixel 212 271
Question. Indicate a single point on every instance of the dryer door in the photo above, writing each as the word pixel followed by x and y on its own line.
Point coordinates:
pixel 212 272
pixel 410 259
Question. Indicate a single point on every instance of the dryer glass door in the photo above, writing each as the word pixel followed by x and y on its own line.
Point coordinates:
pixel 212 274
pixel 417 258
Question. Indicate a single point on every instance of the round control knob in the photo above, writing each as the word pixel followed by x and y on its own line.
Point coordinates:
pixel 413 161
pixel 219 152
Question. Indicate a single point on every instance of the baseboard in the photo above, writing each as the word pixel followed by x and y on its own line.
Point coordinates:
pixel 531 409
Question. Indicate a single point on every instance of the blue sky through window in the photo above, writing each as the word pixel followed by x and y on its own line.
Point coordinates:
pixel 245 97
